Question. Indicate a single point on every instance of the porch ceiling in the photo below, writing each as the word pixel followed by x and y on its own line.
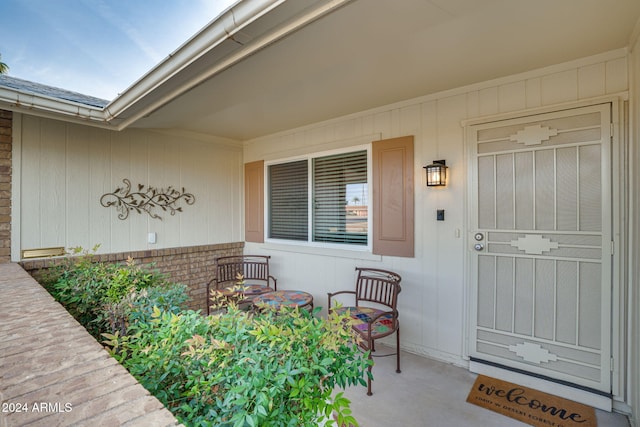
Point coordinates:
pixel 369 53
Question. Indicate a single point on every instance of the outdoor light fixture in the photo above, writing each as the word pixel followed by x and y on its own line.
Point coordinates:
pixel 437 173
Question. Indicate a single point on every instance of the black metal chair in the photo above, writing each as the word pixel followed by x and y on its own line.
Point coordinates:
pixel 375 313
pixel 256 279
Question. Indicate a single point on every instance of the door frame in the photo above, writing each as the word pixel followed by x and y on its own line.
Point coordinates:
pixel 619 178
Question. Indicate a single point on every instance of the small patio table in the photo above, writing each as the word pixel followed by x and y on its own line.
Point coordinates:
pixel 247 290
pixel 286 298
pixel 242 294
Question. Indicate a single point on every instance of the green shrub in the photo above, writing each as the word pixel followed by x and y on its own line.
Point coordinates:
pixel 105 297
pixel 243 369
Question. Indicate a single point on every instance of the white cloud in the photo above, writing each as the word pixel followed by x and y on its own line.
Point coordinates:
pixel 122 23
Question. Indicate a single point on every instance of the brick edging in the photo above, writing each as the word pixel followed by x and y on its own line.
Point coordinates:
pixel 54 373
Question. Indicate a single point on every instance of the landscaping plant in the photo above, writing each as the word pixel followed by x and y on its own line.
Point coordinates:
pixel 106 297
pixel 239 368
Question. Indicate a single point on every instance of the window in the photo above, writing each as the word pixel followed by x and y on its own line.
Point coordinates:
pixel 346 187
pixel 333 189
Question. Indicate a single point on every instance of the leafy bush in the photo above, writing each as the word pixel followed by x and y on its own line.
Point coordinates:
pixel 234 369
pixel 245 369
pixel 105 297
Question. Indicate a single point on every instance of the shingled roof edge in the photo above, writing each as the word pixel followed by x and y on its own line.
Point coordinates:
pixel 27 86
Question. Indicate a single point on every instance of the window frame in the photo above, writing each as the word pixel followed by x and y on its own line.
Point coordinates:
pixel 309 243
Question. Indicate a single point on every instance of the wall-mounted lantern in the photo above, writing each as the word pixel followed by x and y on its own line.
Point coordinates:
pixel 437 173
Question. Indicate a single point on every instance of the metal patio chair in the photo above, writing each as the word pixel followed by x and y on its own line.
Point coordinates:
pixel 375 313
pixel 255 277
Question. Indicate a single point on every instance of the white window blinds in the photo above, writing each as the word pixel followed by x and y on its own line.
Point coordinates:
pixel 288 204
pixel 340 210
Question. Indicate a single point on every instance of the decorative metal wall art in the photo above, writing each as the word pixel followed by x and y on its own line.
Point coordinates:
pixel 145 199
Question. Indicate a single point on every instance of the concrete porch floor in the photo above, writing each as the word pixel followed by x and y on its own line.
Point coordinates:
pixel 430 393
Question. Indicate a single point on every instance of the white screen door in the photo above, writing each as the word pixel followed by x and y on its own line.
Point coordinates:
pixel 540 245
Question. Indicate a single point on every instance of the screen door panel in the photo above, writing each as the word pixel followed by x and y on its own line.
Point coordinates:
pixel 541 245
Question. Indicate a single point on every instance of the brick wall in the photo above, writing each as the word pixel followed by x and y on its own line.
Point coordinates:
pixel 193 266
pixel 6 120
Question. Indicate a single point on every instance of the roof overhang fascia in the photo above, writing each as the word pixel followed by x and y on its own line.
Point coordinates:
pixel 223 28
pixel 229 24
pixel 155 88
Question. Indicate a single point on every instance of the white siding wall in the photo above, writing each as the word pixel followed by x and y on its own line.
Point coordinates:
pixel 61 171
pixel 432 302
pixel 634 217
pixel 64 169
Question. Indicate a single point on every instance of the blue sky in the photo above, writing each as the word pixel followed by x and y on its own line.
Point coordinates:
pixel 96 47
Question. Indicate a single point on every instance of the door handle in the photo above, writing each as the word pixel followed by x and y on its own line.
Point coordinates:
pixel 478 247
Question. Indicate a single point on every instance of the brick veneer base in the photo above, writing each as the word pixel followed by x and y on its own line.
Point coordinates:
pixel 193 266
pixel 6 140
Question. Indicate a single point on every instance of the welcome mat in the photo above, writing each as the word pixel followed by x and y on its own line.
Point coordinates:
pixel 530 406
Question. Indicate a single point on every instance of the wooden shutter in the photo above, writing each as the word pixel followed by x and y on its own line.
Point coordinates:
pixel 254 202
pixel 393 223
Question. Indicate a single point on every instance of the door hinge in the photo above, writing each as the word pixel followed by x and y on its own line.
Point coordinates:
pixel 612 363
pixel 613 247
pixel 612 129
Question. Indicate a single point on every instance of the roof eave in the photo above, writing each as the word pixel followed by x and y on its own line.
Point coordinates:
pixel 113 116
pixel 157 87
pixel 219 30
pixel 228 24
pixel 56 108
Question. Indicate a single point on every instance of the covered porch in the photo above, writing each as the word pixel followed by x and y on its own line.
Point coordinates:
pixel 54 373
pixel 273 83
